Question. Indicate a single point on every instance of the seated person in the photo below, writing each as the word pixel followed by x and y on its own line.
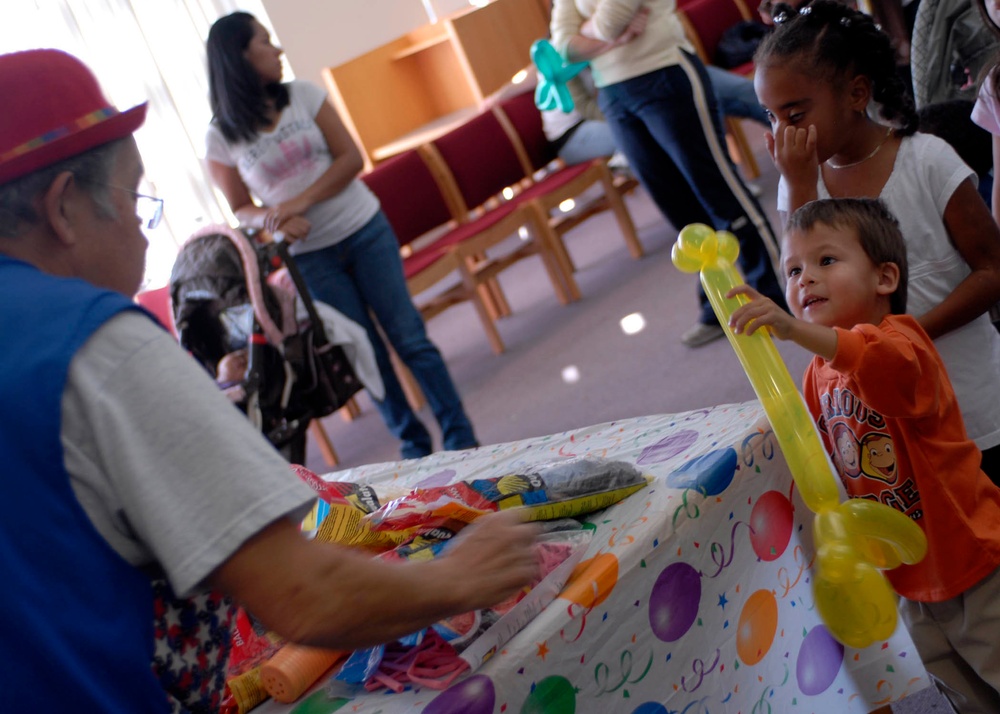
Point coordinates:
pixel 583 134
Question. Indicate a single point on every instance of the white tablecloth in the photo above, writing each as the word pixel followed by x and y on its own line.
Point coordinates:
pixel 703 601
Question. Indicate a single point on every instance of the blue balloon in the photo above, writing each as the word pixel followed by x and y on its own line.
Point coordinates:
pixel 551 92
pixel 709 474
pixel 650 708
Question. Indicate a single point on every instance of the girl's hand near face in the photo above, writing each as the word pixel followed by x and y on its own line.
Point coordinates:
pixel 793 150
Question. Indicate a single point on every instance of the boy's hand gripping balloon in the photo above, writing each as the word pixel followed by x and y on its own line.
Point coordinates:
pixel 854 540
pixel 551 92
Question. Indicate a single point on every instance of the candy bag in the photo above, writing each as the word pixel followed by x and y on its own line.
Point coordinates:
pixel 548 490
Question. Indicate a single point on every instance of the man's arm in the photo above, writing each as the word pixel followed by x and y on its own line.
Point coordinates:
pixel 325 595
pixel 170 472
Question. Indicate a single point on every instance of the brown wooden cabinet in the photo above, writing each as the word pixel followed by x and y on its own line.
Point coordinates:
pixel 418 86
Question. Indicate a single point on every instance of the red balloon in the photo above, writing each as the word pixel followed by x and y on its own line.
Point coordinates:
pixel 771 525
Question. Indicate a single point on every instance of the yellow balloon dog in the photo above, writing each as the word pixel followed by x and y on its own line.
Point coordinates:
pixel 854 540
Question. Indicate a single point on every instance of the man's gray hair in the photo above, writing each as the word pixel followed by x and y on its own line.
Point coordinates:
pixel 91 169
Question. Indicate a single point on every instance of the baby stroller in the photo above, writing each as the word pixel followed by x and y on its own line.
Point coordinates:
pixel 232 304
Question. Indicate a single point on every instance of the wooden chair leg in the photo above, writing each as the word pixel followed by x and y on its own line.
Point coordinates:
pixel 489 291
pixel 747 158
pixel 318 432
pixel 565 259
pixel 554 256
pixel 499 298
pixel 496 343
pixel 350 411
pixel 624 218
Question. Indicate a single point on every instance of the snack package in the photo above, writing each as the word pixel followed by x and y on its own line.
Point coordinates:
pixel 338 515
pixel 548 490
pixel 253 645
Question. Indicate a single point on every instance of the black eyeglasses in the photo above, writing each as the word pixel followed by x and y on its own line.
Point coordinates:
pixel 149 209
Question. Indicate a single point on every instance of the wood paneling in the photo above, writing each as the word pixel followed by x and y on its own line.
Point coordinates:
pixel 419 85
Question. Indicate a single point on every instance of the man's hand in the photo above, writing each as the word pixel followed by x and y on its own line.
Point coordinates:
pixel 491 559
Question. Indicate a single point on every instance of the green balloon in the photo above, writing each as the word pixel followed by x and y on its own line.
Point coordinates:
pixel 320 702
pixel 553 695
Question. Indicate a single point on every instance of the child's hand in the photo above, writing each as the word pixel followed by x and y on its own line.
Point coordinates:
pixel 793 150
pixel 759 312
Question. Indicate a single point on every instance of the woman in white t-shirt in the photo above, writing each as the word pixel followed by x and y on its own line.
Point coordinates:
pixel 284 145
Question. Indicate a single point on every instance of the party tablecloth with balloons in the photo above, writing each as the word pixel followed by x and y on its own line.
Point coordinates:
pixel 694 595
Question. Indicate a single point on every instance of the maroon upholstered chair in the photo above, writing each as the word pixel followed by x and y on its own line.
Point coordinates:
pixel 415 206
pixel 157 301
pixel 523 122
pixel 704 22
pixel 475 162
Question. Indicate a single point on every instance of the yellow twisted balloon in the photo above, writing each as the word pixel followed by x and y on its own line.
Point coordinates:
pixel 854 540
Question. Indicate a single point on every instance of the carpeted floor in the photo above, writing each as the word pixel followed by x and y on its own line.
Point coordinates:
pixel 530 391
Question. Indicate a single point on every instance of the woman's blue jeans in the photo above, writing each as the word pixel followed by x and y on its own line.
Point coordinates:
pixel 667 124
pixel 362 276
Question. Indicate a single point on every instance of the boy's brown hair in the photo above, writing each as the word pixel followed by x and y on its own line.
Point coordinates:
pixel 877 230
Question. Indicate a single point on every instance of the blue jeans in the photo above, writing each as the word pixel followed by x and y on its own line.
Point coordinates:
pixel 592 138
pixel 736 95
pixel 362 276
pixel 667 124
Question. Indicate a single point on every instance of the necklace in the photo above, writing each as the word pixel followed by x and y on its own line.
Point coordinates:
pixel 878 148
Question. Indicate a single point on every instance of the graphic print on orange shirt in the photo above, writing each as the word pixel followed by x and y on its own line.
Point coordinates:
pixel 864 454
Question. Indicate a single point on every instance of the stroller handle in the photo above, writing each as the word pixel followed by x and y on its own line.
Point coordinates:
pixel 281 247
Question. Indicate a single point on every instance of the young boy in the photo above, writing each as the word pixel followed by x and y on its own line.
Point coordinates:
pixel 877 388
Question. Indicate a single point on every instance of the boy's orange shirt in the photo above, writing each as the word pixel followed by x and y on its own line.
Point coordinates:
pixel 887 413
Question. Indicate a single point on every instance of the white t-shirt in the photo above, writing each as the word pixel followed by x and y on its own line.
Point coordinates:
pixel 167 469
pixel 926 174
pixel 283 162
pixel 986 112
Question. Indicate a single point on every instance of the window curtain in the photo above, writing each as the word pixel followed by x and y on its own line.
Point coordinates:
pixel 145 50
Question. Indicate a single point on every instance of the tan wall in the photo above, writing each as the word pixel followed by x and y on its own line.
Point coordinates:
pixel 317 34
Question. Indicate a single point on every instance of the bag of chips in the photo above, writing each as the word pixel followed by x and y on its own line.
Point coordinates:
pixel 554 489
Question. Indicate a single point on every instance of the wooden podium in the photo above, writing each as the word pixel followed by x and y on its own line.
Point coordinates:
pixel 420 85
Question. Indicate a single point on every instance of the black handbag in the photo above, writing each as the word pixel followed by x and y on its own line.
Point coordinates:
pixel 738 44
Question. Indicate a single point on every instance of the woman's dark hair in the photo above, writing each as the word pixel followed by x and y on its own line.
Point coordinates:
pixel 952 121
pixel 831 41
pixel 240 103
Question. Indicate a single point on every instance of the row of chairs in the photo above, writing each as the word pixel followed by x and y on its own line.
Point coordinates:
pixel 455 201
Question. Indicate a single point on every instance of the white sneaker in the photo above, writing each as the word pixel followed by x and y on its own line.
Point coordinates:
pixel 754 188
pixel 702 334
